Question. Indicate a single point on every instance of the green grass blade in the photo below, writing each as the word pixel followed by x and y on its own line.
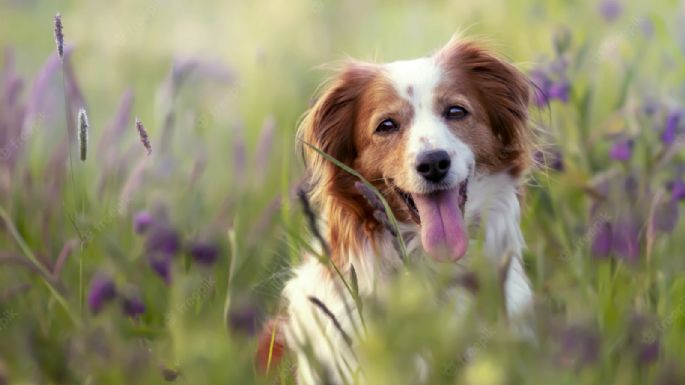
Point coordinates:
pixel 44 272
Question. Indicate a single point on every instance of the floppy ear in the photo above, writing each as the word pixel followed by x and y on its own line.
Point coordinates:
pixel 504 92
pixel 330 126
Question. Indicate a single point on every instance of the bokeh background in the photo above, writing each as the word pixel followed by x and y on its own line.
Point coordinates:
pixel 135 268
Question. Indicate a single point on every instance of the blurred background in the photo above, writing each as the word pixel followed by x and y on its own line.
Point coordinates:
pixel 160 266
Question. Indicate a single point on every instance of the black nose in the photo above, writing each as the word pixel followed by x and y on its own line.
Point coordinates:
pixel 433 165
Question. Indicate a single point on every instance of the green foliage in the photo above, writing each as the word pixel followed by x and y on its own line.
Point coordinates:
pixel 220 86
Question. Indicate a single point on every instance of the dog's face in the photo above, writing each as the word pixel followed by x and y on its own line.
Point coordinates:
pixel 418 130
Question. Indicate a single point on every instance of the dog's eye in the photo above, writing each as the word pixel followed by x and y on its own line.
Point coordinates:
pixel 455 113
pixel 388 125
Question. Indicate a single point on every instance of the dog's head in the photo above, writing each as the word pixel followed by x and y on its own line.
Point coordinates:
pixel 418 130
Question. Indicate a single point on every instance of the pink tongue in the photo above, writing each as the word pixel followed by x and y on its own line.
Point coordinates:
pixel 442 228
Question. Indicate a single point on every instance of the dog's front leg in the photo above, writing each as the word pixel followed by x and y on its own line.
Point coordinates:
pixel 322 328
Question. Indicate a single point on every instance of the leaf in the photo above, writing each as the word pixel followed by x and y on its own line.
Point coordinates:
pixel 353 278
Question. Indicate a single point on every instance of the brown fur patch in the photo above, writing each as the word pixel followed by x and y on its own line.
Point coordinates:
pixel 503 94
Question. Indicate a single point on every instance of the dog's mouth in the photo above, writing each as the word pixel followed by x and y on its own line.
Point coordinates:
pixel 440 216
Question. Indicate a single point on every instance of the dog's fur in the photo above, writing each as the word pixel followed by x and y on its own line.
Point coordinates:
pixel 489 149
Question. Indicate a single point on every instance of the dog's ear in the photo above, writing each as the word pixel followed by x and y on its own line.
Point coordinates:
pixel 504 92
pixel 329 126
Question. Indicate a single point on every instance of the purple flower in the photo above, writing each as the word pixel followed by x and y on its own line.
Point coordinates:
pixel 647 27
pixel 668 136
pixel 542 83
pixel 163 239
pixel 622 150
pixel 648 351
pixel 677 189
pixel 161 264
pixel 142 221
pixel 553 159
pixel 265 145
pixel 666 216
pixel 610 9
pixel 132 305
pixel 560 91
pixel 102 290
pixel 631 186
pixel 650 106
pixel 626 240
pixel 244 319
pixel 579 346
pixel 204 253
pixel 602 242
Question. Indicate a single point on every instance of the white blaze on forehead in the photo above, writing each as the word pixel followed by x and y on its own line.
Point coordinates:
pixel 416 81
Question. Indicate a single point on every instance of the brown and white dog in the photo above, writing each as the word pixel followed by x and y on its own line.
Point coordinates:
pixel 446 140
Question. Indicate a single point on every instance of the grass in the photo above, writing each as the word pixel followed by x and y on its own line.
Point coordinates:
pixel 220 87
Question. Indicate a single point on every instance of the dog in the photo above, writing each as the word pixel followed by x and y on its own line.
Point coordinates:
pixel 446 140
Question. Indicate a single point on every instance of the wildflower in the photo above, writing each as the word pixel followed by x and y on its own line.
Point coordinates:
pixel 622 150
pixel 83 133
pixel 163 239
pixel 610 9
pixel 161 264
pixel 328 313
pixel 554 159
pixel 59 36
pixel 677 188
pixel 102 290
pixel 239 157
pixel 204 253
pixel 383 219
pixel 169 374
pixel 243 319
pixel 132 305
pixel 542 83
pixel 602 242
pixel 557 163
pixel 643 339
pixel 666 216
pixel 625 240
pixel 551 88
pixel 369 195
pixel 560 91
pixel 647 27
pixel 142 221
pixel 669 134
pixel 265 144
pixel 311 217
pixel 469 281
pixel 579 346
pixel 377 205
pixel 648 352
pixel 143 136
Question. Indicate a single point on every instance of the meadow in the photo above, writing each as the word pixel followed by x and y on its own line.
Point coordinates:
pixel 154 250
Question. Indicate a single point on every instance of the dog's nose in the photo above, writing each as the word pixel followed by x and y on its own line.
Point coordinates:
pixel 433 165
